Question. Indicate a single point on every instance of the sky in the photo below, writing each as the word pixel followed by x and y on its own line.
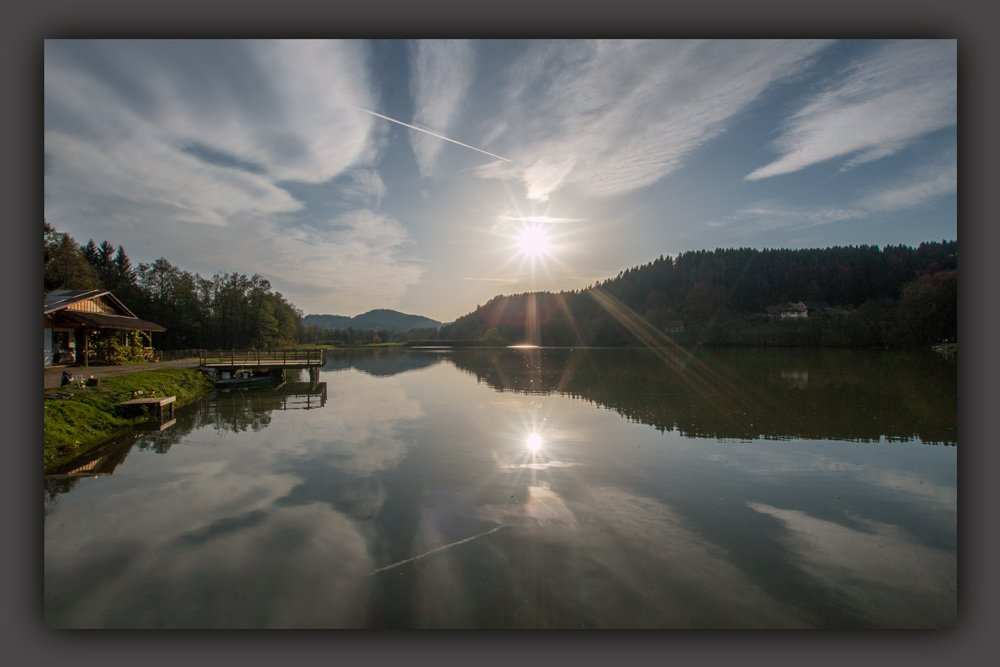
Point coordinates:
pixel 430 176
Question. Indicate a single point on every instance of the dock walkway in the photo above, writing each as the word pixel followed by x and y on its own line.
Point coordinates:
pixel 262 362
pixel 262 359
pixel 154 402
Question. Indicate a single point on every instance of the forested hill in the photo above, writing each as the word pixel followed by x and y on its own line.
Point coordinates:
pixel 379 319
pixel 869 296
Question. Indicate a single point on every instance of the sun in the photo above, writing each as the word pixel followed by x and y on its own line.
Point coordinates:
pixel 534 242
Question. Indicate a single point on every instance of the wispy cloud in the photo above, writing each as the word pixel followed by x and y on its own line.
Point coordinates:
pixel 611 117
pixel 505 221
pixel 878 106
pixel 359 259
pixel 936 178
pixel 541 219
pixel 666 558
pixel 516 279
pixel 441 75
pixel 879 568
pixel 932 180
pixel 773 215
pixel 144 182
pixel 367 426
pixel 148 138
pixel 123 117
pixel 364 186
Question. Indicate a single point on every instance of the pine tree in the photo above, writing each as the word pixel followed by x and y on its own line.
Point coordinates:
pixel 124 274
pixel 65 266
pixel 106 264
pixel 90 253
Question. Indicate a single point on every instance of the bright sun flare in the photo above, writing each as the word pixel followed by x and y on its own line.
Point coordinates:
pixel 534 442
pixel 534 242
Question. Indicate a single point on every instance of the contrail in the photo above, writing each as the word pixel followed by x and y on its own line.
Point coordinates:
pixel 433 134
pixel 428 553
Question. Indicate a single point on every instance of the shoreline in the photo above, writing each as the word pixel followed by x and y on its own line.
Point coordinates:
pixel 90 416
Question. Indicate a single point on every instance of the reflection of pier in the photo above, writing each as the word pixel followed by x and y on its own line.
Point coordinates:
pixel 239 409
pixel 302 395
pixel 287 396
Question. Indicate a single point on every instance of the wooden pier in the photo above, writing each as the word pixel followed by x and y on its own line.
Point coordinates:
pixel 270 362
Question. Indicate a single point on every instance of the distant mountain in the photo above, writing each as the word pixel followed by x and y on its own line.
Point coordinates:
pixel 329 321
pixel 378 320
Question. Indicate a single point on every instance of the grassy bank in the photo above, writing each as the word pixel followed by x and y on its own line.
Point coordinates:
pixel 91 416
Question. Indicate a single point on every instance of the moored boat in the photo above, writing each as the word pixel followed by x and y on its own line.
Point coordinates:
pixel 244 379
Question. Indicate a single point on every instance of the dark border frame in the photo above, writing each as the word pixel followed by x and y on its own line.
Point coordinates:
pixel 25 28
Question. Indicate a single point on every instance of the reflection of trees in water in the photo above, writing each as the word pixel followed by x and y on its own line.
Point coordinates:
pixel 53 488
pixel 745 394
pixel 234 411
pixel 244 410
pixel 237 411
pixel 380 361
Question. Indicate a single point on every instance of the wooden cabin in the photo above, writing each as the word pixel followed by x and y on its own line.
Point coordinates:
pixel 72 316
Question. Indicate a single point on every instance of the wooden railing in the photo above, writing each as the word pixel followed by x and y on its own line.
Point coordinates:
pixel 293 356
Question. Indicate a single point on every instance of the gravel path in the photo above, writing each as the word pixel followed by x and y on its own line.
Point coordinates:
pixel 53 374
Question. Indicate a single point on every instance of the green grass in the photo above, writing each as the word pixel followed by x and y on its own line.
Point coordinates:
pixel 91 416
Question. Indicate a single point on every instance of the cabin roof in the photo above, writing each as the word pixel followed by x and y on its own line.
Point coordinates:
pixel 101 321
pixel 61 298
pixel 57 304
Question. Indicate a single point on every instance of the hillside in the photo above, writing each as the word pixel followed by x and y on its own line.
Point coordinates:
pixel 378 320
pixel 896 295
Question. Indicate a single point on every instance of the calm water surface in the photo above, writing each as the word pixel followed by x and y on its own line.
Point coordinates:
pixel 521 488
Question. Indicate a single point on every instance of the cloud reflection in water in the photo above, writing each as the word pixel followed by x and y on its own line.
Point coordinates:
pixel 883 570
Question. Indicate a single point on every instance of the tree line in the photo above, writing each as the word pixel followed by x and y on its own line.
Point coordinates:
pixel 870 296
pixel 228 310
pixel 313 334
pixel 890 296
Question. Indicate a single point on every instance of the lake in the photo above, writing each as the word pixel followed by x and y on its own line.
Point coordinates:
pixel 528 488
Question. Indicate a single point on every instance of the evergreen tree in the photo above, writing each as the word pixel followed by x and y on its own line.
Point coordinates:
pixel 64 264
pixel 123 272
pixel 90 253
pixel 106 263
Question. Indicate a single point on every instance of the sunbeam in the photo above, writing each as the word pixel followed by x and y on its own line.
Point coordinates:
pixel 668 351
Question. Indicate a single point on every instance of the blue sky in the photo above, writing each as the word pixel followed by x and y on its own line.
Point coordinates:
pixel 541 165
